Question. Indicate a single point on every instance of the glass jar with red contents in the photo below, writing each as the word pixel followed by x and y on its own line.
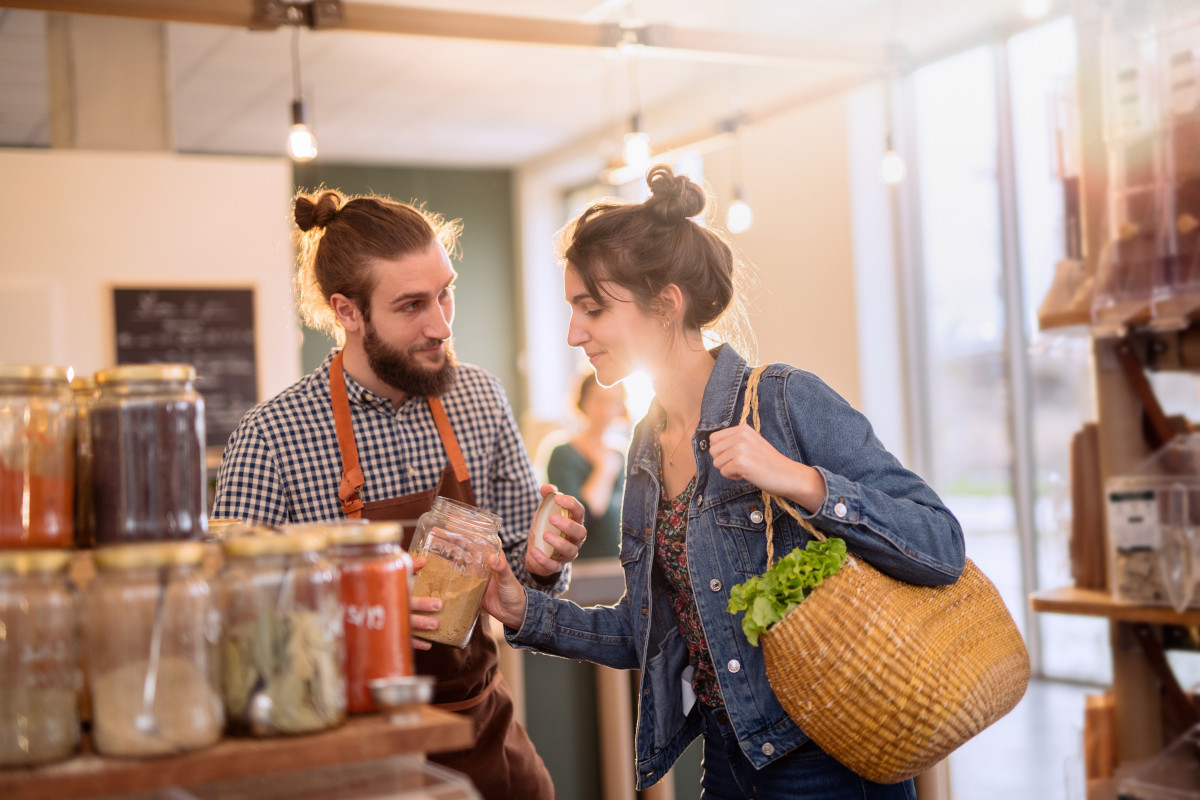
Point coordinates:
pixel 376 577
pixel 37 457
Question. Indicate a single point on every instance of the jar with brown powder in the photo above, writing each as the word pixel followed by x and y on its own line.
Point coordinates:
pixel 456 540
pixel 152 629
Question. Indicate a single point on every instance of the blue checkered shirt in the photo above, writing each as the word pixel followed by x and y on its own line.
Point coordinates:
pixel 282 464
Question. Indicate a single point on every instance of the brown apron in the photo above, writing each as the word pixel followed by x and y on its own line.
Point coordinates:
pixel 503 762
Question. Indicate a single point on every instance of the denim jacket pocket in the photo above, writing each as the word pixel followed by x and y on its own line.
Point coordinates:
pixel 633 545
pixel 742 522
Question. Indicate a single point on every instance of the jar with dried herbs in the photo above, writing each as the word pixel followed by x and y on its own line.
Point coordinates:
pixel 40 675
pixel 456 540
pixel 147 434
pixel 37 457
pixel 376 575
pixel 283 649
pixel 152 628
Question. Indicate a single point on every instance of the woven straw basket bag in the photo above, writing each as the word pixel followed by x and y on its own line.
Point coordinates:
pixel 887 677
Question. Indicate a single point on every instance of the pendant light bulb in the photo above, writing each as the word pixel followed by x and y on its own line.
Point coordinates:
pixel 739 217
pixel 1035 9
pixel 892 169
pixel 637 146
pixel 302 143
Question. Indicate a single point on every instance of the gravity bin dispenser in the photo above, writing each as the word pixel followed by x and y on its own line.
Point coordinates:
pixel 1154 527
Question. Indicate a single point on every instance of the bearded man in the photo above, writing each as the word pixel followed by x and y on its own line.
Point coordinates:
pixel 389 422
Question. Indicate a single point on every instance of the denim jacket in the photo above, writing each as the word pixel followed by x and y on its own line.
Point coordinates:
pixel 886 514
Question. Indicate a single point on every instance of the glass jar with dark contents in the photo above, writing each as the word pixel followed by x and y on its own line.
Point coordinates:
pixel 82 389
pixel 148 473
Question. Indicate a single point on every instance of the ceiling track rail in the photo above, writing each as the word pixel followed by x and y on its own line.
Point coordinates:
pixel 652 40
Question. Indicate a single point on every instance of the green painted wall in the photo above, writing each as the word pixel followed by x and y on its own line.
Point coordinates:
pixel 486 323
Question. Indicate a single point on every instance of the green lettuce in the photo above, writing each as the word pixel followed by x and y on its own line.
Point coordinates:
pixel 771 596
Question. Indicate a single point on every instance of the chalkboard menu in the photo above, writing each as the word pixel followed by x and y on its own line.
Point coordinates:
pixel 211 329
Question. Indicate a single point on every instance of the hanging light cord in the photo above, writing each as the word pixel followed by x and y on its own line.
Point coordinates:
pixel 635 87
pixel 296 62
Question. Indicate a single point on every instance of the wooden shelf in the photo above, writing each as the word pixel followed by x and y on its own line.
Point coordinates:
pixel 362 738
pixel 1093 603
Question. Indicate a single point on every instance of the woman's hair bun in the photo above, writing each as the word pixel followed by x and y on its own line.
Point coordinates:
pixel 311 215
pixel 673 198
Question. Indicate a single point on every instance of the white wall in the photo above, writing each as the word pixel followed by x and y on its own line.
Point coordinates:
pixel 801 248
pixel 74 224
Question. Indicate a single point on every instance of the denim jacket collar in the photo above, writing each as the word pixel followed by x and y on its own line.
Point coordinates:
pixel 720 408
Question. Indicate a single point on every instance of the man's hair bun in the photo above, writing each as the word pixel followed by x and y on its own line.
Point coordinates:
pixel 311 215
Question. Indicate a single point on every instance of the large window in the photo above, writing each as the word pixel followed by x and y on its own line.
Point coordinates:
pixel 1003 399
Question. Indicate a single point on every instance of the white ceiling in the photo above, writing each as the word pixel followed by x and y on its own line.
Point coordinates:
pixel 403 99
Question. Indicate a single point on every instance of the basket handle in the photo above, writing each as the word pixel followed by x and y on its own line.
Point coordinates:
pixel 750 408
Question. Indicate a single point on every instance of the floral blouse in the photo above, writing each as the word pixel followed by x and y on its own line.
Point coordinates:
pixel 670 555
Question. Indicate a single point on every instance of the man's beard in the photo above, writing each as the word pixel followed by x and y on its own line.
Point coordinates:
pixel 401 371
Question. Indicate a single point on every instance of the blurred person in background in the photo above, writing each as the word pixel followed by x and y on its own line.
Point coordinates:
pixel 588 465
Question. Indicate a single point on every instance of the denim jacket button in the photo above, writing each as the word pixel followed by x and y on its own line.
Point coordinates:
pixel 840 509
pixel 715 585
pixel 704 445
pixel 768 749
pixel 756 516
pixel 734 665
pixel 699 500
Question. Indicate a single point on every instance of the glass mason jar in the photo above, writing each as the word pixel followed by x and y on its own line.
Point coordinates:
pixel 37 457
pixel 152 630
pixel 456 540
pixel 147 432
pixel 40 675
pixel 376 577
pixel 283 650
pixel 82 389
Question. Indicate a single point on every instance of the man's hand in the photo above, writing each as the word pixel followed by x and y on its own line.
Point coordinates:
pixel 417 620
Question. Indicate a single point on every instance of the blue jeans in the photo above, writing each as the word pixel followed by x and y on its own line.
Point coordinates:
pixel 807 772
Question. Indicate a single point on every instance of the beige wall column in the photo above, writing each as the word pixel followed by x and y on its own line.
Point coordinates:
pixel 110 85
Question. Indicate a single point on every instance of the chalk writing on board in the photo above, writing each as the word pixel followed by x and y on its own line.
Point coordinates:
pixel 211 329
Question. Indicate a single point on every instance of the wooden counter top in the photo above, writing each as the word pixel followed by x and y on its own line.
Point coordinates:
pixel 361 738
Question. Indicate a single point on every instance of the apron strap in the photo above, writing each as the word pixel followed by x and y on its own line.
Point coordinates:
pixel 448 439
pixel 471 702
pixel 352 475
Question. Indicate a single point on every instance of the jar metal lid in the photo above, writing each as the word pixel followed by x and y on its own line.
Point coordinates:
pixel 35 372
pixel 264 544
pixel 220 527
pixel 364 533
pixel 23 562
pixel 131 373
pixel 148 554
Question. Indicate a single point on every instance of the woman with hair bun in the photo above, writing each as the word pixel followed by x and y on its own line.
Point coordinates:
pixel 649 288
